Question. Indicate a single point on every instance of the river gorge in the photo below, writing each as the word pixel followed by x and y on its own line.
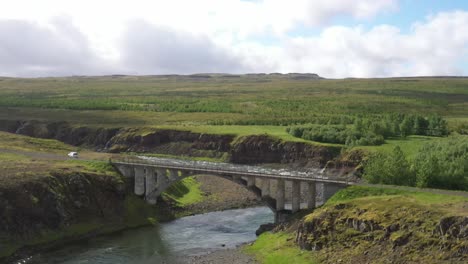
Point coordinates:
pixel 170 242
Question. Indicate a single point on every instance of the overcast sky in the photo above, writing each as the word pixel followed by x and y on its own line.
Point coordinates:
pixel 333 38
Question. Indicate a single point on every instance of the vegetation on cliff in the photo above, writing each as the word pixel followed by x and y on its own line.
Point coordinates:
pixel 374 225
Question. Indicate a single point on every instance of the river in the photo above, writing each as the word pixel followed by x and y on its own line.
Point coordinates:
pixel 192 235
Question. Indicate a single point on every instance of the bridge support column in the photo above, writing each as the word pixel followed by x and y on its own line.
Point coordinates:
pixel 250 181
pixel 150 193
pixel 161 178
pixel 296 196
pixel 311 193
pixel 265 187
pixel 280 195
pixel 139 180
pixel 174 174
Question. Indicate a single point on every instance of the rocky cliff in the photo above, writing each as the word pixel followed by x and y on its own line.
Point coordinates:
pixel 252 149
pixel 396 228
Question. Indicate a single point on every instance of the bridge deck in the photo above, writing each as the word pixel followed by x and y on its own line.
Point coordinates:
pixel 220 168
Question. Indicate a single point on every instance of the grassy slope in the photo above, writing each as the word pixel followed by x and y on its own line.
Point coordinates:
pixel 382 205
pixel 24 159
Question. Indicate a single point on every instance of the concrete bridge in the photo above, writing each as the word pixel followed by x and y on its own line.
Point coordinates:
pixel 152 176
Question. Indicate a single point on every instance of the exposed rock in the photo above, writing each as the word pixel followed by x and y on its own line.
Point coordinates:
pixel 265 228
pixel 264 149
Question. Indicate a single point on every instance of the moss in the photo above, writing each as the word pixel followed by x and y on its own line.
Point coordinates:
pixel 278 248
pixel 386 224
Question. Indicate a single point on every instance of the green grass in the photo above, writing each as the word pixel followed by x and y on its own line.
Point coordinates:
pixel 251 100
pixel 23 143
pixel 423 196
pixel 409 145
pixel 278 248
pixel 185 192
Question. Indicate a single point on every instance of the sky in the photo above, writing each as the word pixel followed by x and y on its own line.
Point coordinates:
pixel 333 38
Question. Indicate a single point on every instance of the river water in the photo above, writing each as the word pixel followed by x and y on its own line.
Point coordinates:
pixel 192 235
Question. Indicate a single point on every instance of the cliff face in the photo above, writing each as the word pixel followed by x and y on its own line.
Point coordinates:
pixel 245 150
pixel 36 210
pixel 172 142
pixel 264 149
pixel 62 131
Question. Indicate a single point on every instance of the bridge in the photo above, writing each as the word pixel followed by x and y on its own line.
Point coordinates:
pixel 152 176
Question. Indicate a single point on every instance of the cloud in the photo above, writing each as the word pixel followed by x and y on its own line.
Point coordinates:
pixel 149 49
pixel 29 49
pixel 158 37
pixel 436 46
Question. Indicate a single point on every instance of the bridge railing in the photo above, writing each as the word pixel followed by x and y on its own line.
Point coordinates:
pixel 221 168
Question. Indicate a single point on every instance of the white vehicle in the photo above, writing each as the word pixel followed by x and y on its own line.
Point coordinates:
pixel 73 154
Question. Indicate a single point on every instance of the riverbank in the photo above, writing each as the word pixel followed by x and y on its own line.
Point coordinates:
pixel 47 200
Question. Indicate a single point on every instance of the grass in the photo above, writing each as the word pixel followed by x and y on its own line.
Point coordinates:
pixel 409 145
pixel 185 192
pixel 251 100
pixel 278 248
pixel 422 196
pixel 23 143
pixel 385 206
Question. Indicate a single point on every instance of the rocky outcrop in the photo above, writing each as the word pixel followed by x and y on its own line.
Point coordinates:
pixel 62 131
pixel 363 234
pixel 265 228
pixel 265 149
pixel 245 150
pixel 159 141
pixel 55 202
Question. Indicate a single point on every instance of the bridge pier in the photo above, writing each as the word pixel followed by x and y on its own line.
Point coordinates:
pixel 139 180
pixel 265 187
pixel 296 196
pixel 174 174
pixel 150 192
pixel 250 181
pixel 311 195
pixel 280 197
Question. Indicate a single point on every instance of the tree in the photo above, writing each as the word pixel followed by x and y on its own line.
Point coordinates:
pixel 406 127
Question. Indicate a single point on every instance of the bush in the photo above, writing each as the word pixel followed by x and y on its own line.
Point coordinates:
pixel 442 164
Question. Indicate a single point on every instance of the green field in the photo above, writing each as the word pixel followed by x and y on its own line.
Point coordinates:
pixel 245 100
pixel 258 104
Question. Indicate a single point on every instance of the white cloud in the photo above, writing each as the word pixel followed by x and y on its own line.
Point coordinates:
pixel 28 49
pixel 149 49
pixel 432 47
pixel 57 37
